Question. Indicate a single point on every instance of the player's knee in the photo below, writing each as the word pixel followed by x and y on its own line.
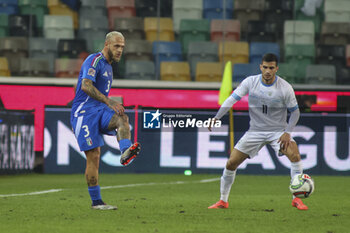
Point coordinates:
pixel 231 165
pixel 295 157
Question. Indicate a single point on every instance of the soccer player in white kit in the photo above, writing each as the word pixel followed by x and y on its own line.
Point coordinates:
pixel 269 99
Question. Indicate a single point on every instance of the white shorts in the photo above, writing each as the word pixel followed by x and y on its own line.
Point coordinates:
pixel 252 142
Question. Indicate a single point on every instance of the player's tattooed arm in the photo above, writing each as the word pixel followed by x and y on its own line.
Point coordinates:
pixel 88 87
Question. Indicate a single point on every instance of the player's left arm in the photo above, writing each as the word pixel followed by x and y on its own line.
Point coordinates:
pixel 291 101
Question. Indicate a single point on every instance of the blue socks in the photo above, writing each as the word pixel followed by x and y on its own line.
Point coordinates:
pixel 124 144
pixel 95 195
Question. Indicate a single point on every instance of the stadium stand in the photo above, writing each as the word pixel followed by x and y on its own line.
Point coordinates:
pixel 246 10
pixel 159 29
pixel 291 72
pixel 192 30
pixel 241 71
pixel 348 55
pixel 334 33
pixel 141 70
pixel 234 51
pixel 38 8
pixel 337 10
pixel 4 67
pixel 149 8
pixel 44 48
pixel 9 7
pixel 68 67
pixel 262 31
pixel 38 67
pixel 225 29
pixel 277 12
pixel 71 48
pixel 58 27
pixel 119 9
pixel 132 28
pixel 217 10
pixel 22 25
pixel 56 7
pixel 204 51
pixel 13 48
pixel 258 49
pixel 299 32
pixel 317 18
pixel 208 71
pixel 175 71
pixel 138 50
pixel 4 25
pixel 331 54
pixel 320 74
pixel 184 9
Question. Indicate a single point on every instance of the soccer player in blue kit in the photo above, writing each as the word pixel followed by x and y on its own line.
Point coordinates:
pixel 94 114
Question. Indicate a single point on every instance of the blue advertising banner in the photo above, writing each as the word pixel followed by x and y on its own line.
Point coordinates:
pixel 177 140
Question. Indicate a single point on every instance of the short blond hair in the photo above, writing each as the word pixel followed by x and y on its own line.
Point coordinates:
pixel 113 33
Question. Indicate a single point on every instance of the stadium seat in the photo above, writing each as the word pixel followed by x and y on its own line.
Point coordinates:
pixel 335 33
pixel 37 8
pixel 277 11
pixel 317 18
pixel 217 10
pixel 166 51
pixel 119 9
pixel 331 54
pixel 208 72
pixel 37 67
pixel 246 10
pixel 148 8
pixel 343 76
pixel 221 29
pixel 13 48
pixel 88 12
pixel 44 48
pixel 192 30
pixel 348 55
pixel 292 72
pixel 241 71
pixel 4 25
pixel 320 74
pixel 165 31
pixel 93 4
pixel 98 44
pixel 262 31
pixel 337 10
pixel 299 32
pixel 4 67
pixel 299 56
pixel 258 49
pixel 22 25
pixel 71 48
pixel 140 70
pixel 9 7
pixel 132 28
pixel 175 71
pixel 56 7
pixel 204 51
pixel 236 52
pixel 138 50
pixel 68 67
pixel 92 28
pixel 58 27
pixel 184 9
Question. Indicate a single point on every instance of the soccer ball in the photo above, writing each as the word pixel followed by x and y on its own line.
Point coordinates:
pixel 302 185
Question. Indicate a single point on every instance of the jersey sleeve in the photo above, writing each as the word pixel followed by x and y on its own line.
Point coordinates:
pixel 290 99
pixel 242 89
pixel 90 68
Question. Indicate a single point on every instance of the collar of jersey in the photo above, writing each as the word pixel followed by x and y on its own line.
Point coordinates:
pixel 268 85
pixel 103 56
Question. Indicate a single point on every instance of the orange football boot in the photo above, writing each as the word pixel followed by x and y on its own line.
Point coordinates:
pixel 219 205
pixel 297 202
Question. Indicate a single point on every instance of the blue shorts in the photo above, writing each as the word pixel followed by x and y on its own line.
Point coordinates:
pixel 89 126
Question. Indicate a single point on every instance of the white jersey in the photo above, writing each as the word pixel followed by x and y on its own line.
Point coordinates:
pixel 268 104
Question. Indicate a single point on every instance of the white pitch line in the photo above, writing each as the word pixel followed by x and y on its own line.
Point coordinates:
pixel 112 187
pixel 32 193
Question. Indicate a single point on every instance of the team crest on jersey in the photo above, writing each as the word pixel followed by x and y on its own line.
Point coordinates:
pixel 91 72
pixel 105 74
pixel 89 141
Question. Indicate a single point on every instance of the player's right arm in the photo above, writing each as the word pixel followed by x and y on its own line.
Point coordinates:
pixel 240 91
pixel 88 87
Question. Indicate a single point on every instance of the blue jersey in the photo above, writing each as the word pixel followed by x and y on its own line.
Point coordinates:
pixel 97 69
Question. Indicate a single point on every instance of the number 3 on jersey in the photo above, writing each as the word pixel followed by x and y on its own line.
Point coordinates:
pixel 108 85
pixel 86 129
pixel 264 108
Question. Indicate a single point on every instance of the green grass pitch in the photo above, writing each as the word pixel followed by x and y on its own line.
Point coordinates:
pixel 171 203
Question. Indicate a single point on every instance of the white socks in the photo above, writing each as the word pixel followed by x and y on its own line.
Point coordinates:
pixel 227 179
pixel 296 168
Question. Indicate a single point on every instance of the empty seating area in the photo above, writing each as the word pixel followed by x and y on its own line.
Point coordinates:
pixel 178 40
